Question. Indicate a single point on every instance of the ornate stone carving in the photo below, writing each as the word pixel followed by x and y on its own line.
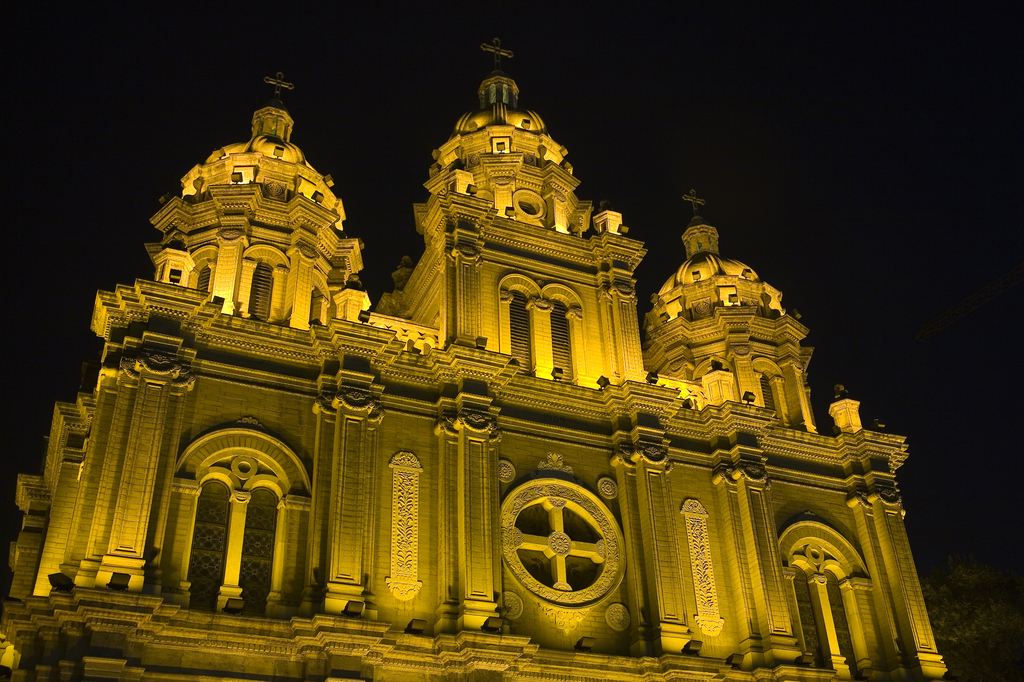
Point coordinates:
pixel 585 505
pixel 617 617
pixel 479 422
pixel 249 421
pixel 506 471
pixel 513 605
pixel 158 366
pixel 356 400
pixel 230 234
pixel 608 488
pixel 405 526
pixel 506 296
pixel 554 462
pixel 708 617
pixel 574 313
pixel 541 304
pixel 307 250
pixel 565 619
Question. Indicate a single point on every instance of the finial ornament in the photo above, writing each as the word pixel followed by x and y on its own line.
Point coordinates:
pixel 278 83
pixel 496 49
pixel 694 201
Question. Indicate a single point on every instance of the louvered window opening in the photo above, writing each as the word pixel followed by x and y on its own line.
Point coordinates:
pixel 259 295
pixel 766 391
pixel 204 279
pixel 258 549
pixel 561 346
pixel 519 330
pixel 209 544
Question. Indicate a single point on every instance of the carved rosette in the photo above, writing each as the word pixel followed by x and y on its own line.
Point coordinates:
pixel 608 488
pixel 513 605
pixel 405 526
pixel 617 617
pixel 708 618
pixel 506 471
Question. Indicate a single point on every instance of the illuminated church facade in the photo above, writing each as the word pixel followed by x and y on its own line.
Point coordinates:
pixel 501 472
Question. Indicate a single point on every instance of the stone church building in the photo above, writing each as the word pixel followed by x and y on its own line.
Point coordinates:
pixel 498 473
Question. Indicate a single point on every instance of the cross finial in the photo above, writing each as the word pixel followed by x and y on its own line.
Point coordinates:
pixel 498 52
pixel 278 83
pixel 694 201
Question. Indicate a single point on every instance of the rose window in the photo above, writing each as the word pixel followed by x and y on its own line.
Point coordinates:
pixel 561 542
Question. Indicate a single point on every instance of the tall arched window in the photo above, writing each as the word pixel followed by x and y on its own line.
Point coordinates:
pixel 209 543
pixel 258 549
pixel 519 330
pixel 767 393
pixel 561 345
pixel 261 292
pixel 203 284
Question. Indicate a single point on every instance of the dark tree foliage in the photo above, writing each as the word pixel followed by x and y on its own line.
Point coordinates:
pixel 977 613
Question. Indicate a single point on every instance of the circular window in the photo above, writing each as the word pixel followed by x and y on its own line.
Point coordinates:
pixel 528 203
pixel 244 466
pixel 561 542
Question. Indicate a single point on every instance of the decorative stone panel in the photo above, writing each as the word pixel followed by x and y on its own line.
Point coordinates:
pixel 405 526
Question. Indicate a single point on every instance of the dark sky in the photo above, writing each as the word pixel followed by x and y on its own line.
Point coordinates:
pixel 865 161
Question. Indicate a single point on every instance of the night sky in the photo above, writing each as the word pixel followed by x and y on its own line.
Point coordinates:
pixel 865 161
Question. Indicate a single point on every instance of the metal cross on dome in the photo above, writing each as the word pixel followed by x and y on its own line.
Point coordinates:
pixel 278 83
pixel 694 201
pixel 558 545
pixel 498 52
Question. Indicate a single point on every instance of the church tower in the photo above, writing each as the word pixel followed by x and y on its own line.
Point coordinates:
pixel 487 476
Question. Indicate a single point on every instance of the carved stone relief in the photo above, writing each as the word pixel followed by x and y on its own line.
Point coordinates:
pixel 506 471
pixel 708 618
pixel 405 526
pixel 608 488
pixel 513 605
pixel 617 617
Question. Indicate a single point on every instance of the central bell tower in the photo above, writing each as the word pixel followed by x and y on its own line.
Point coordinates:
pixel 514 260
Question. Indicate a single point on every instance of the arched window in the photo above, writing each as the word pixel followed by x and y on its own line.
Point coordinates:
pixel 561 346
pixel 258 549
pixel 767 392
pixel 209 543
pixel 261 292
pixel 519 330
pixel 203 284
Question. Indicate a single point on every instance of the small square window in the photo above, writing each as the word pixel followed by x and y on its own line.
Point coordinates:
pixel 175 276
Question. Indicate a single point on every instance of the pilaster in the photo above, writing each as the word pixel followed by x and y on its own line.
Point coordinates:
pixel 540 325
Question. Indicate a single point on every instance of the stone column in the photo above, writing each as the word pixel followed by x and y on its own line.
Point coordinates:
pixel 640 628
pixel 778 385
pixel 353 499
pixel 818 586
pixel 580 368
pixel 858 620
pixel 158 378
pixel 540 326
pixel 190 491
pixel 231 243
pixel 233 559
pixel 625 330
pixel 279 295
pixel 759 543
pixel 245 285
pixel 467 260
pixel 477 503
pixel 915 630
pixel 448 522
pixel 665 604
pixel 300 284
pixel 320 504
pixel 797 401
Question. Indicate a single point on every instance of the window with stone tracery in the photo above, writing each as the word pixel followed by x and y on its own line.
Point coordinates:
pixel 519 330
pixel 258 549
pixel 203 284
pixel 209 545
pixel 561 345
pixel 262 291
